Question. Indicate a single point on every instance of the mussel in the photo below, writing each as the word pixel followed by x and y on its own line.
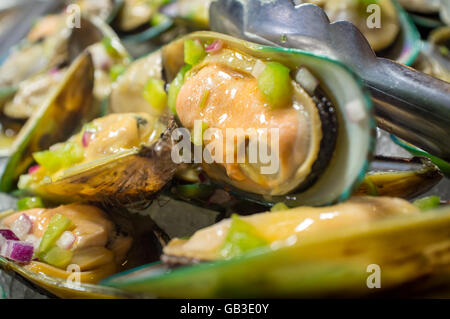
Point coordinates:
pixel 309 252
pixel 319 122
pixel 117 159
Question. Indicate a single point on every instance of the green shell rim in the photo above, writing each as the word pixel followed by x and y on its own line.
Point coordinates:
pixel 443 165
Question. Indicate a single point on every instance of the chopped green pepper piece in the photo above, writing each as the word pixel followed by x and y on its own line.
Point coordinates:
pixel 427 203
pixel 57 257
pixel 158 19
pixel 29 203
pixel 116 71
pixel 241 238
pixel 57 225
pixel 68 154
pixel 204 99
pixel 109 47
pixel 155 94
pixel 279 207
pixel 175 87
pixel 197 136
pixel 193 52
pixel 274 82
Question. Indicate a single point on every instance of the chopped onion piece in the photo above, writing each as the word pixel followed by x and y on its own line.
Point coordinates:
pixel 214 47
pixel 8 234
pixel 22 226
pixel 33 169
pixel 86 138
pixel 307 80
pixel 19 251
pixel 66 240
pixel 258 68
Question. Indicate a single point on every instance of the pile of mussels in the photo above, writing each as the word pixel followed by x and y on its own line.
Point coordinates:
pixel 147 156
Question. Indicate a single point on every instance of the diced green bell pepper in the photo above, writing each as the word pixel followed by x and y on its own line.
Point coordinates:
pixel 193 52
pixel 274 82
pixel 109 47
pixel 57 257
pixel 57 225
pixel 29 203
pixel 67 155
pixel 427 203
pixel 241 238
pixel 115 71
pixel 155 94
pixel 175 87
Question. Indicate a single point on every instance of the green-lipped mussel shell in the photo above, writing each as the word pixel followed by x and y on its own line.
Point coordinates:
pixel 54 121
pixel 355 139
pixel 129 178
pixel 332 264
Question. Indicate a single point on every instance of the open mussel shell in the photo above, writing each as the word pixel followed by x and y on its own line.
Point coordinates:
pixel 398 177
pixel 54 121
pixel 336 263
pixel 129 178
pixel 355 139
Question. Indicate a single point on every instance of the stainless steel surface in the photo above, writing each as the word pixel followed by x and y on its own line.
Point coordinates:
pixel 409 104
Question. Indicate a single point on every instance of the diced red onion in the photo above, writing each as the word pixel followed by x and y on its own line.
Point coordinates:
pixel 22 226
pixel 33 169
pixel 54 70
pixel 86 138
pixel 19 251
pixel 214 47
pixel 8 234
pixel 66 240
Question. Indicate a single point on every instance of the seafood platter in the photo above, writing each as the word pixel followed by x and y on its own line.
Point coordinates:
pixel 224 148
